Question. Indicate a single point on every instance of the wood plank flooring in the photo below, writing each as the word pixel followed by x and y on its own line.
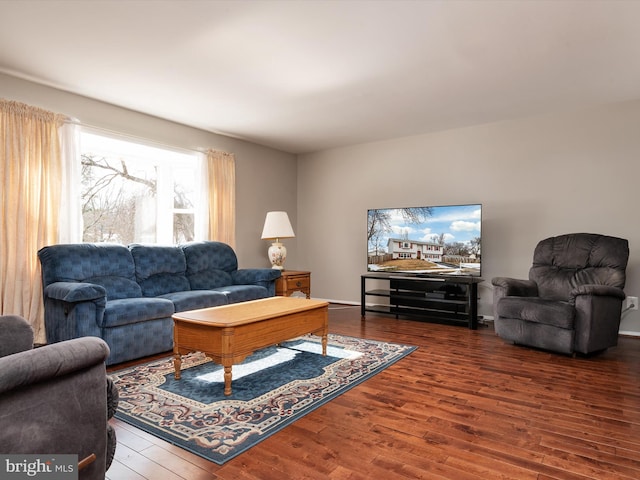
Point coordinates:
pixel 464 406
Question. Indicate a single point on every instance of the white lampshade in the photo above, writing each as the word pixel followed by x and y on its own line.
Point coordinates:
pixel 276 226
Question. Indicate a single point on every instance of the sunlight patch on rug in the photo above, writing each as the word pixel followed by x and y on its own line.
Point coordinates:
pixel 280 356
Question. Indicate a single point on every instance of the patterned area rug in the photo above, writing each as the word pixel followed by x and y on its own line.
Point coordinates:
pixel 271 389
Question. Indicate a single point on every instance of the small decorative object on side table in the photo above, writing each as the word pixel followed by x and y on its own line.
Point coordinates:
pixel 294 284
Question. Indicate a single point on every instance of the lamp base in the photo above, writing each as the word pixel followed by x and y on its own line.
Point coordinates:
pixel 277 255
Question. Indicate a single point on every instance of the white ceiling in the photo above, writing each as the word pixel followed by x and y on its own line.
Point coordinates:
pixel 303 76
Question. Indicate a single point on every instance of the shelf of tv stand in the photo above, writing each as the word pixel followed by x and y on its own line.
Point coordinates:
pixel 449 300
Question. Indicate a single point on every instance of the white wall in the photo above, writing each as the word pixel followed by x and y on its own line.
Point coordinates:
pixel 265 178
pixel 535 177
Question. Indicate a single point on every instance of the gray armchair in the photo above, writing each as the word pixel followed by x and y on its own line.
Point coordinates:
pixel 572 301
pixel 56 399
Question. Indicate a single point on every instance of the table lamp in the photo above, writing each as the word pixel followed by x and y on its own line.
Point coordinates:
pixel 277 226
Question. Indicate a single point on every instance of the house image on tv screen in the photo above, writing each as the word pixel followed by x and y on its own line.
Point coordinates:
pixel 431 240
pixel 414 249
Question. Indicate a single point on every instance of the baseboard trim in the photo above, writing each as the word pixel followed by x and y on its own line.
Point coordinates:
pixel 338 302
pixel 629 333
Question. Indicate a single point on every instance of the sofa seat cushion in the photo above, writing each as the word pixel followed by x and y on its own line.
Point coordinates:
pixel 194 299
pixel 133 310
pixel 535 309
pixel 242 293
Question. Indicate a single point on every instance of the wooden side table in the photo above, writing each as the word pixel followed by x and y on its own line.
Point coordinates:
pixel 294 283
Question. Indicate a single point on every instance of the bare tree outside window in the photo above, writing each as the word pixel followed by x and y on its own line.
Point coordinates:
pixel 129 198
pixel 110 196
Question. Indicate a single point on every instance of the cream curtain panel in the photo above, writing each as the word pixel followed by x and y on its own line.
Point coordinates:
pixel 30 172
pixel 221 172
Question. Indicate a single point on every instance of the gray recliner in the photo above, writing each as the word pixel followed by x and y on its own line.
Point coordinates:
pixel 56 399
pixel 572 301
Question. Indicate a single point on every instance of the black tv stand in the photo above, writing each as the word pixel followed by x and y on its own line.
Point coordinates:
pixel 442 299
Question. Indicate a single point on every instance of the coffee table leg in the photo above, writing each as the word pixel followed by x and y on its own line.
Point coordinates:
pixel 324 344
pixel 227 379
pixel 177 363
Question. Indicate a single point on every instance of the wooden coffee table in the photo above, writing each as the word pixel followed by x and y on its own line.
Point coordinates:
pixel 229 333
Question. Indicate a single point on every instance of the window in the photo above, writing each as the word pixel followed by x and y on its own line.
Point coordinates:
pixel 137 193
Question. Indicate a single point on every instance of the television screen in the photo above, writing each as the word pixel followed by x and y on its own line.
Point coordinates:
pixel 431 240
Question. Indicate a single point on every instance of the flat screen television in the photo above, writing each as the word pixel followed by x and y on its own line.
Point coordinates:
pixel 428 241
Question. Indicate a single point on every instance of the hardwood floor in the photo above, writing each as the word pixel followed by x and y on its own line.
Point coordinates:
pixel 465 405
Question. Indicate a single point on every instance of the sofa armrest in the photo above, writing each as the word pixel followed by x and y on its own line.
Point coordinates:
pixel 597 320
pixel 54 399
pixel 516 287
pixel 74 292
pixel 73 309
pixel 248 276
pixel 596 290
pixel 23 369
pixel 508 287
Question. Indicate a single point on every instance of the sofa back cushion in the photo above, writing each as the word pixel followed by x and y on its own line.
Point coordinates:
pixel 565 262
pixel 106 264
pixel 159 269
pixel 209 264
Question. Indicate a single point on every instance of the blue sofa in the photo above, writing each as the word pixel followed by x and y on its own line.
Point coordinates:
pixel 126 295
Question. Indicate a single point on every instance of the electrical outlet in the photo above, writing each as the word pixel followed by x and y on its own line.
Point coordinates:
pixel 632 303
